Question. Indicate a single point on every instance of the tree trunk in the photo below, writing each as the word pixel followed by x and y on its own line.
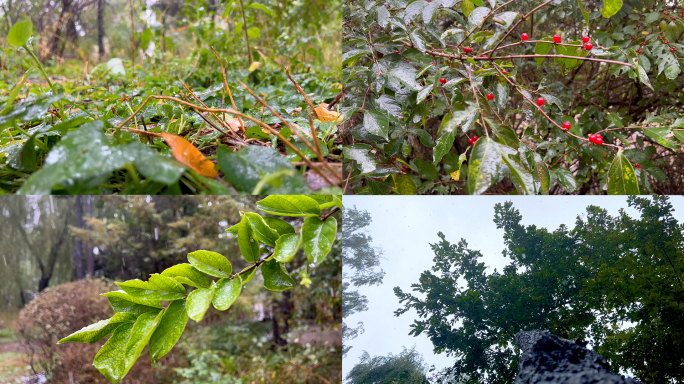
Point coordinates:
pixel 89 245
pixel 282 310
pixel 77 253
pixel 100 27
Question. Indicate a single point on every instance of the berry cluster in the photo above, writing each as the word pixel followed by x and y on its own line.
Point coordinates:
pixel 472 140
pixel 596 139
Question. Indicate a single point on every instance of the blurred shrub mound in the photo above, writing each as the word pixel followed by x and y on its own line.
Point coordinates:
pixel 56 313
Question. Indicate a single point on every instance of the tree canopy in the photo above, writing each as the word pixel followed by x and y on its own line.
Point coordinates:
pixel 406 367
pixel 612 280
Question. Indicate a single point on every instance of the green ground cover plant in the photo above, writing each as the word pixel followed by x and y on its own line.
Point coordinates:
pixel 239 101
pixel 493 96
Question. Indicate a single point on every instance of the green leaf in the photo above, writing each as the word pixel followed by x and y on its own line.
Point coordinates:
pixel 28 110
pixel 121 351
pixel 403 185
pixel 157 288
pixel 211 263
pixel 658 134
pixel 444 143
pixel 376 123
pixel 260 230
pixel 276 277
pixel 187 274
pixel 169 330
pixel 523 178
pixel 245 168
pixel 263 8
pixel 418 41
pixel 610 7
pixel 246 243
pixel 198 303
pixel 506 135
pixel 567 179
pixel 383 16
pixel 145 38
pixel 28 154
pixel 622 179
pixel 483 166
pixel 424 93
pixel 289 205
pixel 643 77
pixel 318 237
pixel 405 73
pixel 94 332
pixel 122 302
pixel 286 247
pixel 359 154
pixel 477 16
pixel 226 292
pixel 541 49
pixel 86 153
pixel 254 33
pixel 279 225
pixel 467 7
pixel 351 56
pixel 20 33
pixel 15 91
pixel 246 278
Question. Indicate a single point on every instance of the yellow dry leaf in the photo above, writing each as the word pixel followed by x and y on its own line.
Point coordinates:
pixel 336 85
pixel 254 66
pixel 644 32
pixel 456 174
pixel 187 154
pixel 324 115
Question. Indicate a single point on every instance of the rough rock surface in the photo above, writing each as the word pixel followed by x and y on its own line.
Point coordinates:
pixel 549 359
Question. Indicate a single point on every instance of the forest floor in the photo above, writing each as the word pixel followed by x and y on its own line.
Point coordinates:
pixel 13 365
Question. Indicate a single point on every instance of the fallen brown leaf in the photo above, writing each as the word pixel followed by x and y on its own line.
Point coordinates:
pixel 189 155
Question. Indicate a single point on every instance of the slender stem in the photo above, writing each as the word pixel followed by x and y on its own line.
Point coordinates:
pixel 225 84
pixel 244 28
pixel 130 2
pixel 332 211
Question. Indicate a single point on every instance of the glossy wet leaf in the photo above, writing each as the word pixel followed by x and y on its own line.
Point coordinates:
pixel 318 237
pixel 15 91
pixel 403 185
pixel 483 166
pixel 226 292
pixel 157 288
pixel 567 179
pixel 248 246
pixel 188 154
pixel 289 205
pixel 245 168
pixel 187 274
pixel 94 332
pixel 286 247
pixel 20 33
pixel 279 225
pixel 523 178
pixel 658 134
pixel 359 154
pixel 211 263
pixel 29 110
pixel 86 153
pixel 541 49
pixel 248 276
pixel 376 123
pixel 622 179
pixel 260 230
pixel 121 351
pixel 125 303
pixel 198 302
pixel 276 277
pixel 169 330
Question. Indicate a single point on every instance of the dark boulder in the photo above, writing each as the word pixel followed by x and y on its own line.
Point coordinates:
pixel 549 359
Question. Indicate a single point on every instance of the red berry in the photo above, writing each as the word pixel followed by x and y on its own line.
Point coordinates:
pixel 666 41
pixel 504 72
pixel 540 101
pixel 567 125
pixel 490 96
pixel 639 51
pixel 483 55
pixel 637 165
pixel 525 36
pixel 443 80
pixel 642 43
pixel 556 39
pixel 598 140
pixel 588 46
pixel 467 49
pixel 406 60
pixel 585 39
pixel 377 27
pixel 394 158
pixel 397 52
pixel 673 18
pixel 472 140
pixel 380 55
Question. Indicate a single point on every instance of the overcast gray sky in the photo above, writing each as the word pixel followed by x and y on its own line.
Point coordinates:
pixel 404 226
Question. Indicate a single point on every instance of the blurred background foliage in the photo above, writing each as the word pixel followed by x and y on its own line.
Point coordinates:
pixel 73 35
pixel 59 253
